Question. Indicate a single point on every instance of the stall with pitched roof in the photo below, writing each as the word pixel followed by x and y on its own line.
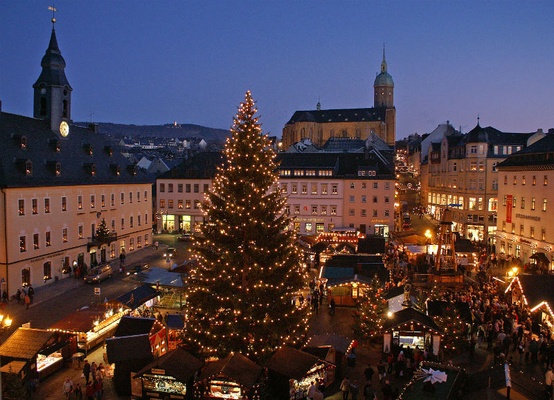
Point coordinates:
pixel 90 326
pixel 411 328
pixel 291 372
pixel 32 353
pixel 233 377
pixel 535 293
pixel 170 375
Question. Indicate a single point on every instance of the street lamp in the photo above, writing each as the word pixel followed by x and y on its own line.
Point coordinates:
pixel 428 235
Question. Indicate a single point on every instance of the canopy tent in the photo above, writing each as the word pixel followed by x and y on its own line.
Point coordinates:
pixel 138 296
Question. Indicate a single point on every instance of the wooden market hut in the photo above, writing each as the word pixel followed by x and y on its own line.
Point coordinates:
pixel 332 348
pixel 90 326
pixel 411 328
pixel 129 354
pixel 232 377
pixel 347 274
pixel 156 331
pixel 292 371
pixel 175 324
pixel 32 353
pixel 535 293
pixel 170 375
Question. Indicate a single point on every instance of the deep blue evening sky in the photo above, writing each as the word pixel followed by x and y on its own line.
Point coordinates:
pixel 158 61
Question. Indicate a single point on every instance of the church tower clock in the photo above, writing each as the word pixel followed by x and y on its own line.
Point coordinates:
pixel 52 92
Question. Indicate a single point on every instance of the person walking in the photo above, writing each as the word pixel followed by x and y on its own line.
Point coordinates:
pixel 67 387
pixel 77 392
pixel 89 391
pixel 345 388
pixel 548 382
pixel 86 371
pixel 31 293
pixel 27 301
pixel 354 390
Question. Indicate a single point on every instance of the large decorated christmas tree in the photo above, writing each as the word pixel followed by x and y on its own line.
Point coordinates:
pixel 369 316
pixel 241 295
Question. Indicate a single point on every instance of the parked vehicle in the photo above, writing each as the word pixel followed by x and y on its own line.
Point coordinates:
pixel 136 268
pixel 98 274
pixel 186 237
pixel 170 252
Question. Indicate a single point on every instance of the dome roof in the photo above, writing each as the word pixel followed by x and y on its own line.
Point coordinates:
pixel 383 79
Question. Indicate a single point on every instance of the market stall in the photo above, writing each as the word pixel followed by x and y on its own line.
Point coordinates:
pixel 156 331
pixel 90 326
pixel 170 375
pixel 411 328
pixel 332 348
pixel 143 298
pixel 291 372
pixel 32 353
pixel 233 377
pixel 175 324
pixel 535 293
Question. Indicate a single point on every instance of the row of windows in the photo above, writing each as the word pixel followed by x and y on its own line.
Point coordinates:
pixel 524 180
pixel 473 203
pixel 522 230
pixel 188 187
pixel 307 172
pixel 93 204
pixel 80 234
pixel 322 210
pixel 522 203
pixel 323 188
pixel 181 204
pixel 363 199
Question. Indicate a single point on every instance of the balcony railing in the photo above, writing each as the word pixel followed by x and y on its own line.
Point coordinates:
pixel 97 241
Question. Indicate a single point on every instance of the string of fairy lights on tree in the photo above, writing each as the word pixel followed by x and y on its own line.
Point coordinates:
pixel 249 268
pixel 369 316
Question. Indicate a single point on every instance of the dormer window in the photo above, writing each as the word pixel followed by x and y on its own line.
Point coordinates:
pixel 116 170
pixel 88 149
pixel 55 145
pixel 90 168
pixel 108 150
pixel 29 167
pixel 58 168
pixel 132 169
pixel 23 142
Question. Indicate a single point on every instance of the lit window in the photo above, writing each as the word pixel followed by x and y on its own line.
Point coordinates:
pixel 544 204
pixel 64 203
pixel 48 239
pixel 162 187
pixel 34 206
pixel 22 244
pixel 92 201
pixel 21 206
pixel 46 206
pixel 64 235
pixel 170 203
pixel 35 241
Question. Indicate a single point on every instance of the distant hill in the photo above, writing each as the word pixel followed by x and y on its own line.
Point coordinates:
pixel 167 131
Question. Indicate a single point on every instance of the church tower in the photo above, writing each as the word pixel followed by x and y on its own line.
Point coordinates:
pixel 52 92
pixel 383 89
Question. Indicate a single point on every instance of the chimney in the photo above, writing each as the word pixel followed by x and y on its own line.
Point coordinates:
pixel 93 127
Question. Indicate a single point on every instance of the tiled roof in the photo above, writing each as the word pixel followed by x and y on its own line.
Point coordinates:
pixel 200 166
pixel 25 343
pixel 341 115
pixel 540 153
pixel 28 139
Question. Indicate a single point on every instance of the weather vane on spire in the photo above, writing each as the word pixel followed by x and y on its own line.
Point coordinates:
pixel 53 9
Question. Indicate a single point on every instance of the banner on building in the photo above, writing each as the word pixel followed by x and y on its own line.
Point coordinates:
pixel 509 205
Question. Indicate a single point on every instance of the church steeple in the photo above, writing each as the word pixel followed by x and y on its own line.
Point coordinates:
pixel 383 87
pixel 52 92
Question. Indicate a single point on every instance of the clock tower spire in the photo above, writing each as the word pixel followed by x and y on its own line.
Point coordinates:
pixel 52 92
